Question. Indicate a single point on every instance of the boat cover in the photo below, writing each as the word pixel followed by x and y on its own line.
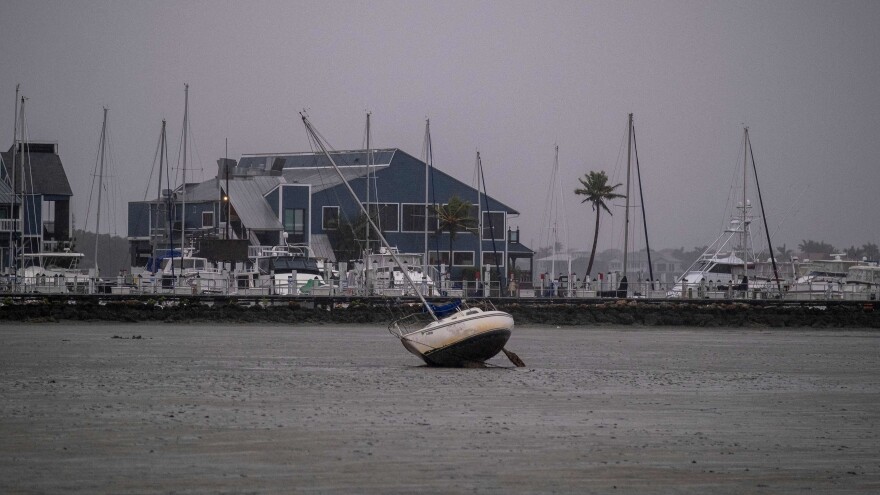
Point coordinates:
pixel 441 310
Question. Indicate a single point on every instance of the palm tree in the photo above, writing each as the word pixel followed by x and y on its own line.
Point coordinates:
pixel 454 217
pixel 597 192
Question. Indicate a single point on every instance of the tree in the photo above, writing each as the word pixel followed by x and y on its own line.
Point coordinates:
pixel 871 251
pixel 348 238
pixel 784 253
pixel 818 248
pixel 854 253
pixel 454 217
pixel 597 192
pixel 545 251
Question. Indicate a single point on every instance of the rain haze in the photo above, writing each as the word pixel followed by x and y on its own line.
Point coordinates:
pixel 510 79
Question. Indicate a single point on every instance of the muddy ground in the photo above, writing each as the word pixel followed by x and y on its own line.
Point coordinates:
pixel 197 408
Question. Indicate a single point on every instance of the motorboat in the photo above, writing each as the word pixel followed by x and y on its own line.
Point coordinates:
pixel 291 270
pixel 863 282
pixel 387 275
pixel 820 279
pixel 728 267
pixel 175 269
pixel 53 272
pixel 716 268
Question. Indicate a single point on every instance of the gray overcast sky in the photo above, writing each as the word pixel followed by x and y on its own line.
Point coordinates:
pixel 507 78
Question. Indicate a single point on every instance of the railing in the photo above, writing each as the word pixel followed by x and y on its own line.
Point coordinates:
pixel 252 285
pixel 10 225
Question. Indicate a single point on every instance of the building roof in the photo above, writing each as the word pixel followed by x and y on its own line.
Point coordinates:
pixel 285 161
pixel 43 172
pixel 325 178
pixel 248 199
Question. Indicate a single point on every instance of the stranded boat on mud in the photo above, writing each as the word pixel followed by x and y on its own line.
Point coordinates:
pixel 456 336
pixel 463 335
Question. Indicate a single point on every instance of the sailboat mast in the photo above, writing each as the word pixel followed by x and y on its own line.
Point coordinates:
pixel 381 237
pixel 21 210
pixel 644 217
pixel 369 171
pixel 745 249
pixel 367 275
pixel 628 170
pixel 14 186
pixel 100 187
pixel 429 159
pixel 764 216
pixel 154 238
pixel 169 219
pixel 183 173
pixel 479 260
pixel 554 213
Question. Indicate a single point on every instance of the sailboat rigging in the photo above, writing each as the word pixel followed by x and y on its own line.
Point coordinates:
pixel 642 201
pixel 453 337
pixel 482 193
pixel 717 267
pixel 623 289
pixel 100 182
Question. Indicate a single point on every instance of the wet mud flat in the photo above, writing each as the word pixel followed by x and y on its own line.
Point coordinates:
pixel 200 408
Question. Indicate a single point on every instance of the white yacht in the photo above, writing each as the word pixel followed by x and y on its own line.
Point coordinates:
pixel 53 272
pixel 724 264
pixel 292 270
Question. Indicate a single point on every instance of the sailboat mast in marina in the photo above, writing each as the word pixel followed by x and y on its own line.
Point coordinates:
pixel 100 182
pixel 162 151
pixel 627 195
pixel 13 214
pixel 183 172
pixel 429 165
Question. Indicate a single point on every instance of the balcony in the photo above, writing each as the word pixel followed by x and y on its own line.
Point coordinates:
pixel 10 225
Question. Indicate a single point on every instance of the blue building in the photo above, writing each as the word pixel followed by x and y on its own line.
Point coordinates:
pixel 35 206
pixel 300 198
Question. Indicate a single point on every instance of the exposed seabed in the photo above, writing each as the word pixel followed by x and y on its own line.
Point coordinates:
pixel 345 409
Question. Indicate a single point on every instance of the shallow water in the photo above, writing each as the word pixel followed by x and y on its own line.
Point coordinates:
pixel 342 409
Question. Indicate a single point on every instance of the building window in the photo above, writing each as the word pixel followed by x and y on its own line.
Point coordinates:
pixel 294 225
pixel 463 258
pixel 438 257
pixel 413 218
pixel 207 219
pixel 490 258
pixel 493 223
pixel 330 218
pixel 386 215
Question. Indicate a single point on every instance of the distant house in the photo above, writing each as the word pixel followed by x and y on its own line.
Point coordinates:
pixel 35 207
pixel 298 198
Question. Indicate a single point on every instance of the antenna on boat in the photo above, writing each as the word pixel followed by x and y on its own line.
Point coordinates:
pixel 379 234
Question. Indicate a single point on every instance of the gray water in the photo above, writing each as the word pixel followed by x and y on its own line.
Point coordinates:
pixel 345 409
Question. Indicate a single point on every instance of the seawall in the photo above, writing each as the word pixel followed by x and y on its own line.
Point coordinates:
pixel 326 310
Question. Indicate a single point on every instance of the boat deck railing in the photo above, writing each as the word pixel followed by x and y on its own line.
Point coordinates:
pixel 409 324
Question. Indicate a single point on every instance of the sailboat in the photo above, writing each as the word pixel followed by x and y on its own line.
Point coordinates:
pixel 457 335
pixel 725 266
